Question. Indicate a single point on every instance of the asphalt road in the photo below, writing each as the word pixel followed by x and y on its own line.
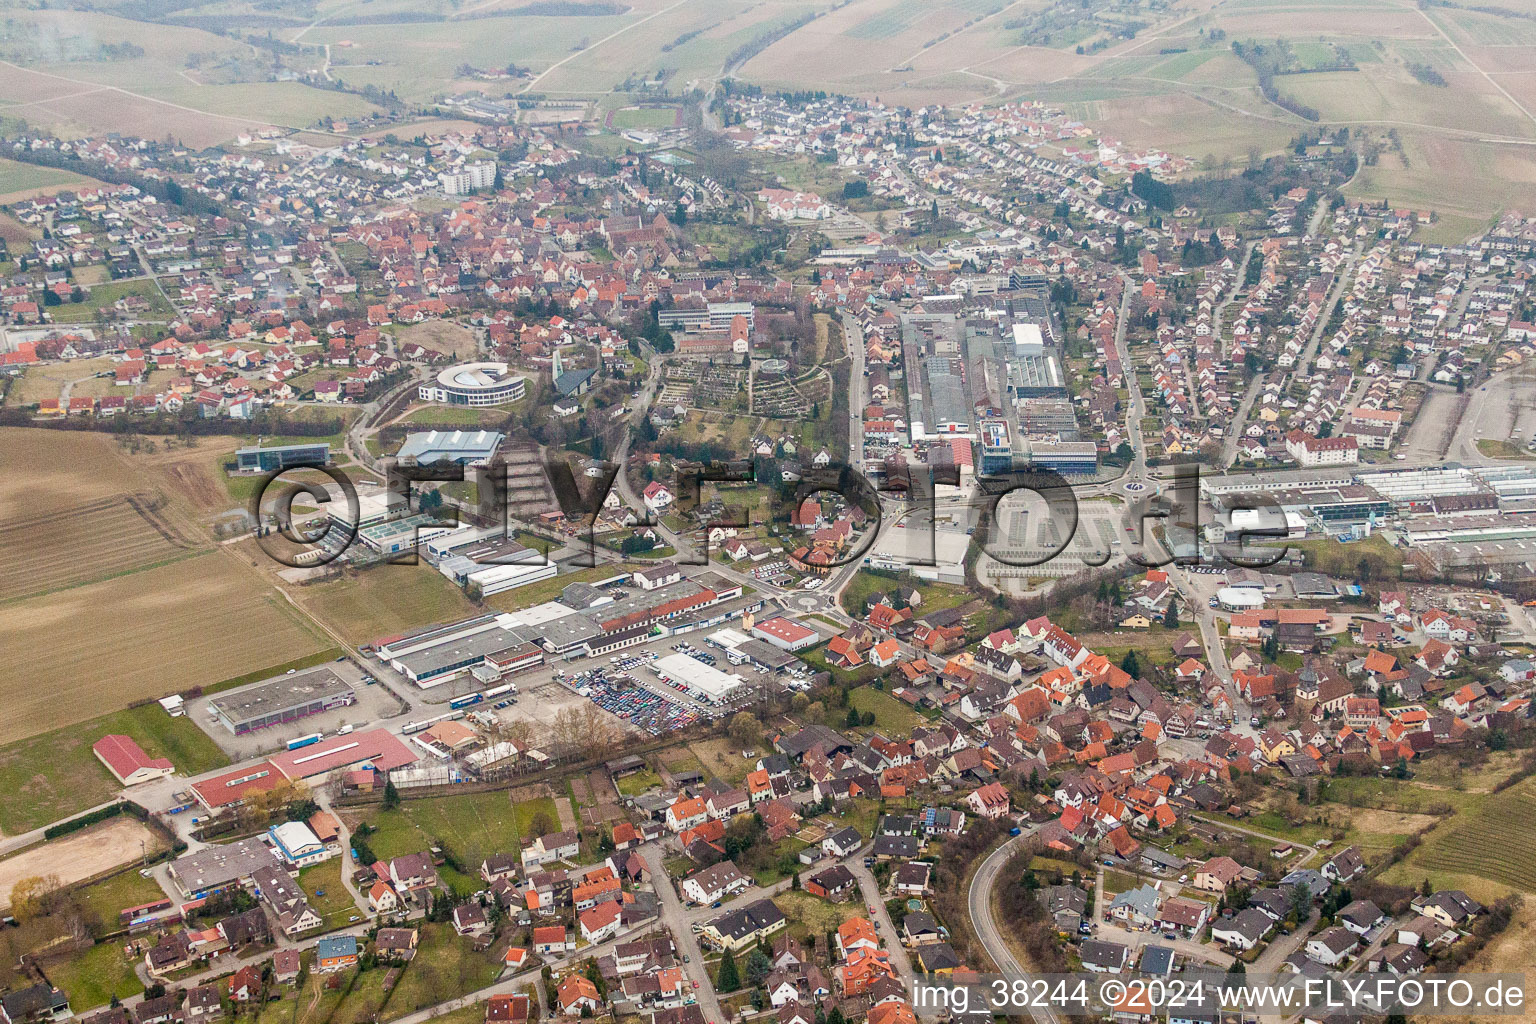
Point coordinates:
pixel 983 920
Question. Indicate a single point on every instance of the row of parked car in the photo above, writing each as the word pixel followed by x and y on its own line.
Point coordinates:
pixel 637 705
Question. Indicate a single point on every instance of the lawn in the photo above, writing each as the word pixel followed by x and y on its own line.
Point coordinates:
pixel 644 117
pixel 681 759
pixel 322 884
pixel 104 295
pixel 860 813
pixel 1337 558
pixel 1502 449
pixel 453 416
pixel 365 998
pixel 892 718
pixel 639 782
pixel 446 966
pixel 470 827
pixel 935 596
pixel 106 898
pixel 91 978
pixel 812 915
pixel 314 1003
pixel 722 758
pixel 1393 795
pixel 48 777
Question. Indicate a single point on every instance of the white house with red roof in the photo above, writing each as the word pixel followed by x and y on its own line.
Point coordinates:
pixel 657 497
pixel 127 761
pixel 990 801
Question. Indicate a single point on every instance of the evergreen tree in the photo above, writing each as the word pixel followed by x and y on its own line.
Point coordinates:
pixel 729 978
pixel 758 967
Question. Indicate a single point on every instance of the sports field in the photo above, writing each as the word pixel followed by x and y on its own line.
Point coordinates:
pixel 80 855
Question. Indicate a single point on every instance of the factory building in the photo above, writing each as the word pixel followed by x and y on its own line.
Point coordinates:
pixel 281 699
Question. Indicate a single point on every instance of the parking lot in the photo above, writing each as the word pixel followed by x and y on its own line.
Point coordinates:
pixel 374 704
pixel 625 686
pixel 644 706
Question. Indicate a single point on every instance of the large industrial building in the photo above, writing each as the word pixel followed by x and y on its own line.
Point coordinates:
pixel 569 628
pixel 488 561
pixel 1033 372
pixel 475 385
pixel 996 447
pixel 703 681
pixel 215 868
pixel 397 535
pixel 462 447
pixel 264 460
pixel 716 316
pixel 281 699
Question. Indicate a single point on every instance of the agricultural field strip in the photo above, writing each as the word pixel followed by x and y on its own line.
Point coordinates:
pixel 80 544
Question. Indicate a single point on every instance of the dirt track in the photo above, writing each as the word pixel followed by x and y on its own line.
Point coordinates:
pixel 79 856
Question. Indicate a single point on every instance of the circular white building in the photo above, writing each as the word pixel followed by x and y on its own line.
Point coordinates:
pixel 475 384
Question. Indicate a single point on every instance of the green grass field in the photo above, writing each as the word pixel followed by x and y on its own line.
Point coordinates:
pixel 102 296
pixel 892 717
pixel 91 978
pixel 104 899
pixel 445 966
pixel 472 826
pixel 644 117
pixel 364 1000
pixel 18 177
pixel 48 777
pixel 446 415
pixel 639 782
pixel 336 904
pixel 811 915
pixel 1502 449
pixel 1340 559
pixel 384 600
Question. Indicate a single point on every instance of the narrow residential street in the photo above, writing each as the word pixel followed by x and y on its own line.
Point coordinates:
pixel 870 887
pixel 675 917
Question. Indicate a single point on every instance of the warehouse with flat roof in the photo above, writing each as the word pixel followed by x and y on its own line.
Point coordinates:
pixel 701 680
pixel 440 662
pixel 281 699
